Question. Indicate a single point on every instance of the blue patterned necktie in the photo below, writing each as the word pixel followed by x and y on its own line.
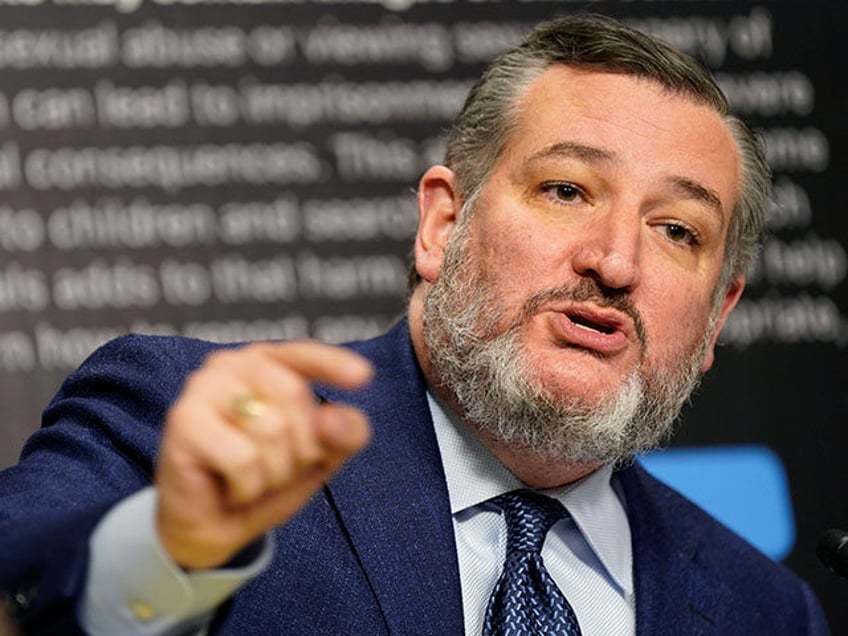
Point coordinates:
pixel 526 600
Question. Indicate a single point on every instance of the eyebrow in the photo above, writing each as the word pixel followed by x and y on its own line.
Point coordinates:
pixel 682 186
pixel 572 149
pixel 694 190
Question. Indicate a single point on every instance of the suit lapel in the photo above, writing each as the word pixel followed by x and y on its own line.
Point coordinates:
pixel 393 499
pixel 673 594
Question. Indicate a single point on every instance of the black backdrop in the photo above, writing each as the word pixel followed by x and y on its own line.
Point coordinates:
pixel 234 169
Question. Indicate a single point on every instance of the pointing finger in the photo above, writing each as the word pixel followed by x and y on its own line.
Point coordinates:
pixel 324 363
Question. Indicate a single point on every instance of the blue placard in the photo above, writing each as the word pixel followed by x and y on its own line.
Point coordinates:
pixel 744 487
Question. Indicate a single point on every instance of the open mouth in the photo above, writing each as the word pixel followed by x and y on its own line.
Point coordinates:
pixel 590 325
pixel 599 331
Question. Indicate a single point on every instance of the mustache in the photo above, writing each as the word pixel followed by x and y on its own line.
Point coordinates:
pixel 585 290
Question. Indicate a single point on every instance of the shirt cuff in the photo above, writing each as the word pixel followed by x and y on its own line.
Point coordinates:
pixel 134 587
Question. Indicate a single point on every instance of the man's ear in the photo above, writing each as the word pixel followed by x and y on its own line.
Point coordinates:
pixel 731 297
pixel 439 203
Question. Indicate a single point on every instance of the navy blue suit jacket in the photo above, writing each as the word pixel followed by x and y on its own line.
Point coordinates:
pixel 374 552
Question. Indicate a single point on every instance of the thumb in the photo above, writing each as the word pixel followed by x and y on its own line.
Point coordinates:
pixel 343 430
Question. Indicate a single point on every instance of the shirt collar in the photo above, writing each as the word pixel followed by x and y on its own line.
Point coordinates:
pixel 474 476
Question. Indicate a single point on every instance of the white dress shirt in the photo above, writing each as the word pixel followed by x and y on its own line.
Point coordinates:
pixel 589 555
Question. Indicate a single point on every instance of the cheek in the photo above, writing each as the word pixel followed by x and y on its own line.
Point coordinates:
pixel 520 257
pixel 675 318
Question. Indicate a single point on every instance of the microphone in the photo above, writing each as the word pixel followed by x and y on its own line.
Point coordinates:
pixel 832 550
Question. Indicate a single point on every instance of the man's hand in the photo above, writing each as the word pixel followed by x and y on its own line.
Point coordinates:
pixel 224 478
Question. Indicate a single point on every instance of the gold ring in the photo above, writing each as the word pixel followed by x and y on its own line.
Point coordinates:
pixel 248 407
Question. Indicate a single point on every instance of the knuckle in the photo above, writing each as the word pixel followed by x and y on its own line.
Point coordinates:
pixel 244 459
pixel 298 390
pixel 270 428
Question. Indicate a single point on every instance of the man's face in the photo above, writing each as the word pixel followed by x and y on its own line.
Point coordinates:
pixel 595 247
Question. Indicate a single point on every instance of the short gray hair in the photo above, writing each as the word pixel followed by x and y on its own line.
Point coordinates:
pixel 490 113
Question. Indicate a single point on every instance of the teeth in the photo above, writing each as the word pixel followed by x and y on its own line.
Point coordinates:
pixel 587 327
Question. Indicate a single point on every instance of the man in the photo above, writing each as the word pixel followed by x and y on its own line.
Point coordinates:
pixel 575 260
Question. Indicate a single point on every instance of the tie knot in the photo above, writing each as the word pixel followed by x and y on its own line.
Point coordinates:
pixel 529 516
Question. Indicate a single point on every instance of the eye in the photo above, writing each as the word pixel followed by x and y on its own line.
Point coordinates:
pixel 679 233
pixel 563 192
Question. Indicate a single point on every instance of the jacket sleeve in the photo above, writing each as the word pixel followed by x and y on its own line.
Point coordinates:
pixel 96 446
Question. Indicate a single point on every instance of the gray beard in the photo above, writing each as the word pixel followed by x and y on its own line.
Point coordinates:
pixel 485 371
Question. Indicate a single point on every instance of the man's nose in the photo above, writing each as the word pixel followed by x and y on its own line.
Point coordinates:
pixel 610 249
